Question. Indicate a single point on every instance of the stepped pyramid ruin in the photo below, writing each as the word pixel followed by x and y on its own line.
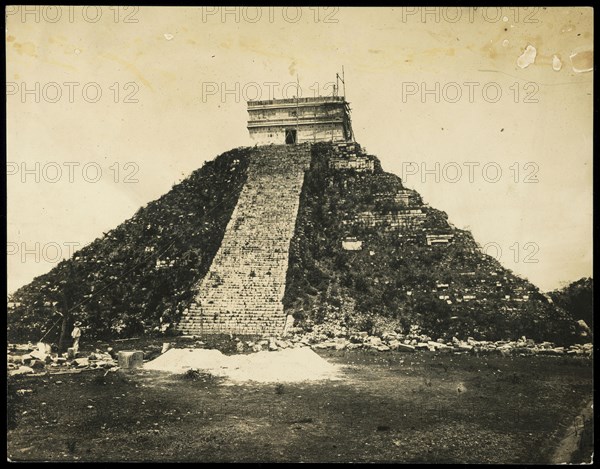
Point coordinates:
pixel 304 224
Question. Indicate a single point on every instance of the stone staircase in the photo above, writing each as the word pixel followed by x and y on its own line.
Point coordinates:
pixel 242 292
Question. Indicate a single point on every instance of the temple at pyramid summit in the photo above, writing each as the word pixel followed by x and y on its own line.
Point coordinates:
pixel 300 120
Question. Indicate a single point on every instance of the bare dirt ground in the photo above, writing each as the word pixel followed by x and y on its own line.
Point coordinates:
pixel 422 407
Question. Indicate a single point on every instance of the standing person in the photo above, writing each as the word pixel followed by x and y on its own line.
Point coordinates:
pixel 76 334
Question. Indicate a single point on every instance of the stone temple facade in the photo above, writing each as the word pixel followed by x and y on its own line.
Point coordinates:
pixel 300 120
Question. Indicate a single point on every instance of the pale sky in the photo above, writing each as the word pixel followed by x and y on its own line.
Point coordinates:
pixel 441 88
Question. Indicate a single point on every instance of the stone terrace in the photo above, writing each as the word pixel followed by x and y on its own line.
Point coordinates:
pixel 243 290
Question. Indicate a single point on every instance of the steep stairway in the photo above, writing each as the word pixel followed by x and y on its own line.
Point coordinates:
pixel 243 290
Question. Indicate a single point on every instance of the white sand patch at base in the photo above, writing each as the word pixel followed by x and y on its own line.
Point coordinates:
pixel 288 365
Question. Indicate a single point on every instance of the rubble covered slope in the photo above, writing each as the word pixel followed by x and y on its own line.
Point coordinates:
pixel 140 276
pixel 366 254
pixel 369 255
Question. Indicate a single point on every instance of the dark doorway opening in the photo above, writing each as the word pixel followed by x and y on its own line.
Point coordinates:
pixel 290 136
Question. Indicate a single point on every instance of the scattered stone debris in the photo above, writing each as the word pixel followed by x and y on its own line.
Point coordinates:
pixel 411 342
pixel 24 359
pixel 27 359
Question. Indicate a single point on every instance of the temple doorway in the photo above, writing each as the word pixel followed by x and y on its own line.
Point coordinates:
pixel 290 136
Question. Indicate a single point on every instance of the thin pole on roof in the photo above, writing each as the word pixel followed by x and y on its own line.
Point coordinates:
pixel 339 78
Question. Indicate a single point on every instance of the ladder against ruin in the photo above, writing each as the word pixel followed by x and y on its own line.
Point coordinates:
pixel 243 290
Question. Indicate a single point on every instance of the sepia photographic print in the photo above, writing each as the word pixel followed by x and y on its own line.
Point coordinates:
pixel 299 234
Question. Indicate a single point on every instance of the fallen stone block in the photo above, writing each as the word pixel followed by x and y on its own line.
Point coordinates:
pixel 324 345
pixel 17 359
pixel 44 348
pixel 22 370
pixel 24 347
pixel 405 348
pixel 37 364
pixel 373 341
pixel 39 355
pixel 281 343
pixel 393 344
pixel 131 359
pixel 524 350
pixel 105 364
pixel 550 352
pixel 340 345
pixel 81 362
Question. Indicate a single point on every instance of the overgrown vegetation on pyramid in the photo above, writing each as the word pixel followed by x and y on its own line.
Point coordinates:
pixel 140 276
pixel 366 254
pixel 411 267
